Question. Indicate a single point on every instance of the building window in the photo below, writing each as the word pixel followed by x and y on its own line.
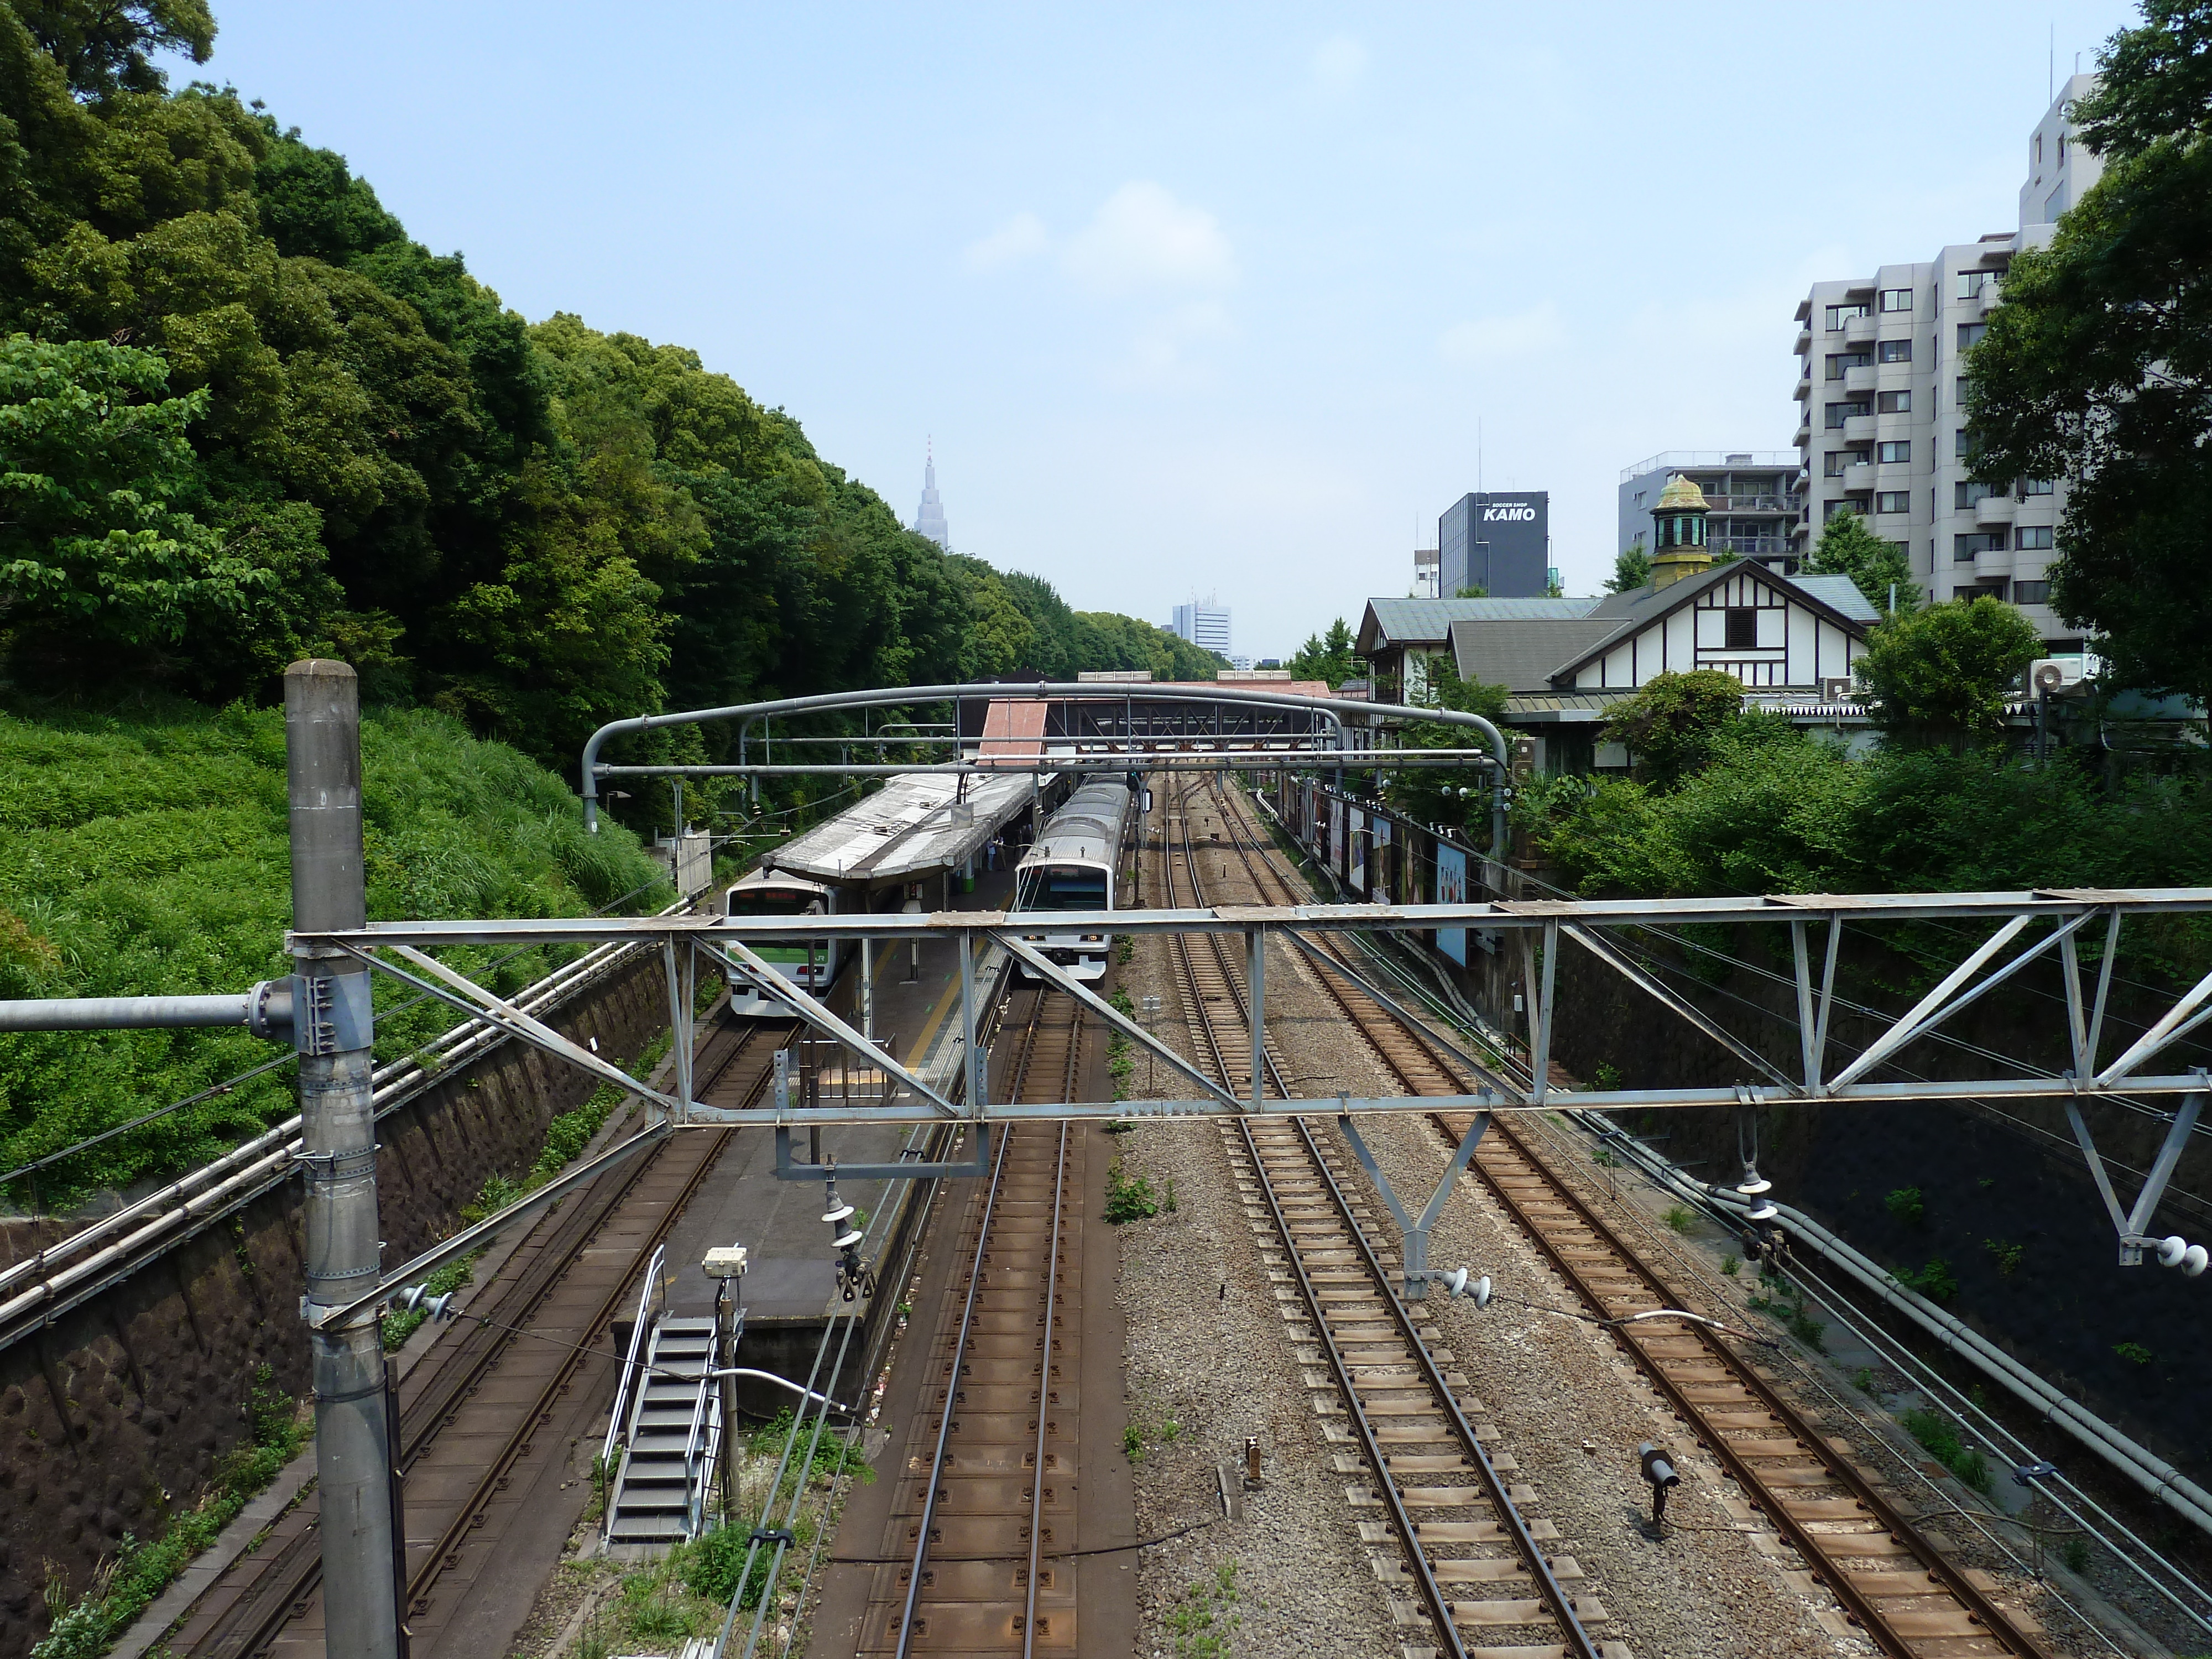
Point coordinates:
pixel 1964 548
pixel 2062 149
pixel 1969 492
pixel 1904 550
pixel 1970 334
pixel 2031 593
pixel 1838 315
pixel 1897 451
pixel 1896 351
pixel 1894 403
pixel 1894 501
pixel 1742 627
pixel 1830 509
pixel 1839 413
pixel 1897 299
pixel 1840 360
pixel 2032 537
pixel 1972 284
pixel 2034 487
pixel 1958 444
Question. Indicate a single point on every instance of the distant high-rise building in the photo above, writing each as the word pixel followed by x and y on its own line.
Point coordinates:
pixel 929 518
pixel 1500 543
pixel 1424 574
pixel 1206 626
pixel 1881 380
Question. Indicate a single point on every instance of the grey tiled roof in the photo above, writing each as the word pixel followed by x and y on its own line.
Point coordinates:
pixel 1521 656
pixel 1425 622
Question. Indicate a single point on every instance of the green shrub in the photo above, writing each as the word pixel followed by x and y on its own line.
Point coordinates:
pixel 1907 1204
pixel 1680 1219
pixel 1731 1265
pixel 2007 1256
pixel 1935 1281
pixel 147 850
pixel 1128 1198
pixel 2134 1353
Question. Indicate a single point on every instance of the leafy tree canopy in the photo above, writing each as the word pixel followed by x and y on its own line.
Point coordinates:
pixel 1848 548
pixel 1944 674
pixel 244 418
pixel 1326 657
pixel 1432 794
pixel 1670 724
pixel 2098 366
pixel 1630 570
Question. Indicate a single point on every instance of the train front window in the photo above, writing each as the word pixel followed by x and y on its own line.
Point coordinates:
pixel 774 902
pixel 1053 887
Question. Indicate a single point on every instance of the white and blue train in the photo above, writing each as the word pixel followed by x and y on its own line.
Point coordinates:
pixel 1072 866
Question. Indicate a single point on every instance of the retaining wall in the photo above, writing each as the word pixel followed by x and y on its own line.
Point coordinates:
pixel 119 1412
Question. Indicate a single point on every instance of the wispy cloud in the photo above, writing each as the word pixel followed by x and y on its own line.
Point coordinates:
pixel 1021 237
pixel 1142 237
pixel 1486 339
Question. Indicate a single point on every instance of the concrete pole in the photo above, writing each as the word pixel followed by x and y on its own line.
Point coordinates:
pixel 333 1030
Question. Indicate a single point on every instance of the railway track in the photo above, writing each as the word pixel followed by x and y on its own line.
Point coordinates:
pixel 1471 1560
pixel 473 1418
pixel 1890 1581
pixel 984 1516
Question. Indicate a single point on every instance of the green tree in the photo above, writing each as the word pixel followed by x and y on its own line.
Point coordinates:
pixel 105 47
pixel 99 547
pixel 1326 657
pixel 1630 570
pixel 1945 673
pixel 1848 548
pixel 2098 366
pixel 1432 793
pixel 1670 724
pixel 1471 593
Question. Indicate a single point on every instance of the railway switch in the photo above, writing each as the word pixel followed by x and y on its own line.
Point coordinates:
pixel 1660 1473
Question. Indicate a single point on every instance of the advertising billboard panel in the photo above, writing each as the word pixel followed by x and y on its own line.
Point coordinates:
pixel 1451 889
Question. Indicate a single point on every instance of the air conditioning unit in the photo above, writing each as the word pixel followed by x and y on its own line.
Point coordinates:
pixel 1838 689
pixel 2057 674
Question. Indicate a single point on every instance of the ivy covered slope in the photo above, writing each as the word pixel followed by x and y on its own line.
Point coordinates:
pixel 147 852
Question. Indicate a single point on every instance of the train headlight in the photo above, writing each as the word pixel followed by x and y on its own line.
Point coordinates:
pixel 1094 938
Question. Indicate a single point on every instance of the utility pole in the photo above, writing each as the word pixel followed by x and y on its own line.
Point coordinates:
pixel 364 1576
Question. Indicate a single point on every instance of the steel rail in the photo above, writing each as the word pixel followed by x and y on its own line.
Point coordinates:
pixel 952 1397
pixel 1557 1603
pixel 1865 1610
pixel 271 1602
pixel 1044 1375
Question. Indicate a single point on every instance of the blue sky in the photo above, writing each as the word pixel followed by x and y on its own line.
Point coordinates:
pixel 1195 300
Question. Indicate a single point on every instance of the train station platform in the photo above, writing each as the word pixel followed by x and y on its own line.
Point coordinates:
pixel 789 1292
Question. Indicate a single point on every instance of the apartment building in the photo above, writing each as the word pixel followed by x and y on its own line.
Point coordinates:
pixel 1756 499
pixel 1880 388
pixel 1206 626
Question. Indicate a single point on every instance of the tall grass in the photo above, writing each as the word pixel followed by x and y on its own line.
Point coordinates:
pixel 145 851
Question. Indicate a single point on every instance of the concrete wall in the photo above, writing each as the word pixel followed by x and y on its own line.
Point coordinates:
pixel 118 1414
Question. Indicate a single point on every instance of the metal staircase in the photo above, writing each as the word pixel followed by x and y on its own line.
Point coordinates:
pixel 672 1435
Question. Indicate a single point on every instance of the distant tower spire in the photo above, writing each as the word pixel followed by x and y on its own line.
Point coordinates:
pixel 929 518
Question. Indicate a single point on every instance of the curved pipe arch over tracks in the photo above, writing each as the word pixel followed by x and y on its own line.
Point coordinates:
pixel 1333 708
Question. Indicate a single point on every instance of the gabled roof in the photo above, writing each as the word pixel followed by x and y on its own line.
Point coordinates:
pixel 1428 621
pixel 1838 597
pixel 1531 654
pixel 1520 656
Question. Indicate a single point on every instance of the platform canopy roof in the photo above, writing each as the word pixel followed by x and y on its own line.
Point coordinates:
pixel 914 827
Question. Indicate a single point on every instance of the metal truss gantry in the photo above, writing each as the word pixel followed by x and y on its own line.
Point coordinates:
pixel 1327 742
